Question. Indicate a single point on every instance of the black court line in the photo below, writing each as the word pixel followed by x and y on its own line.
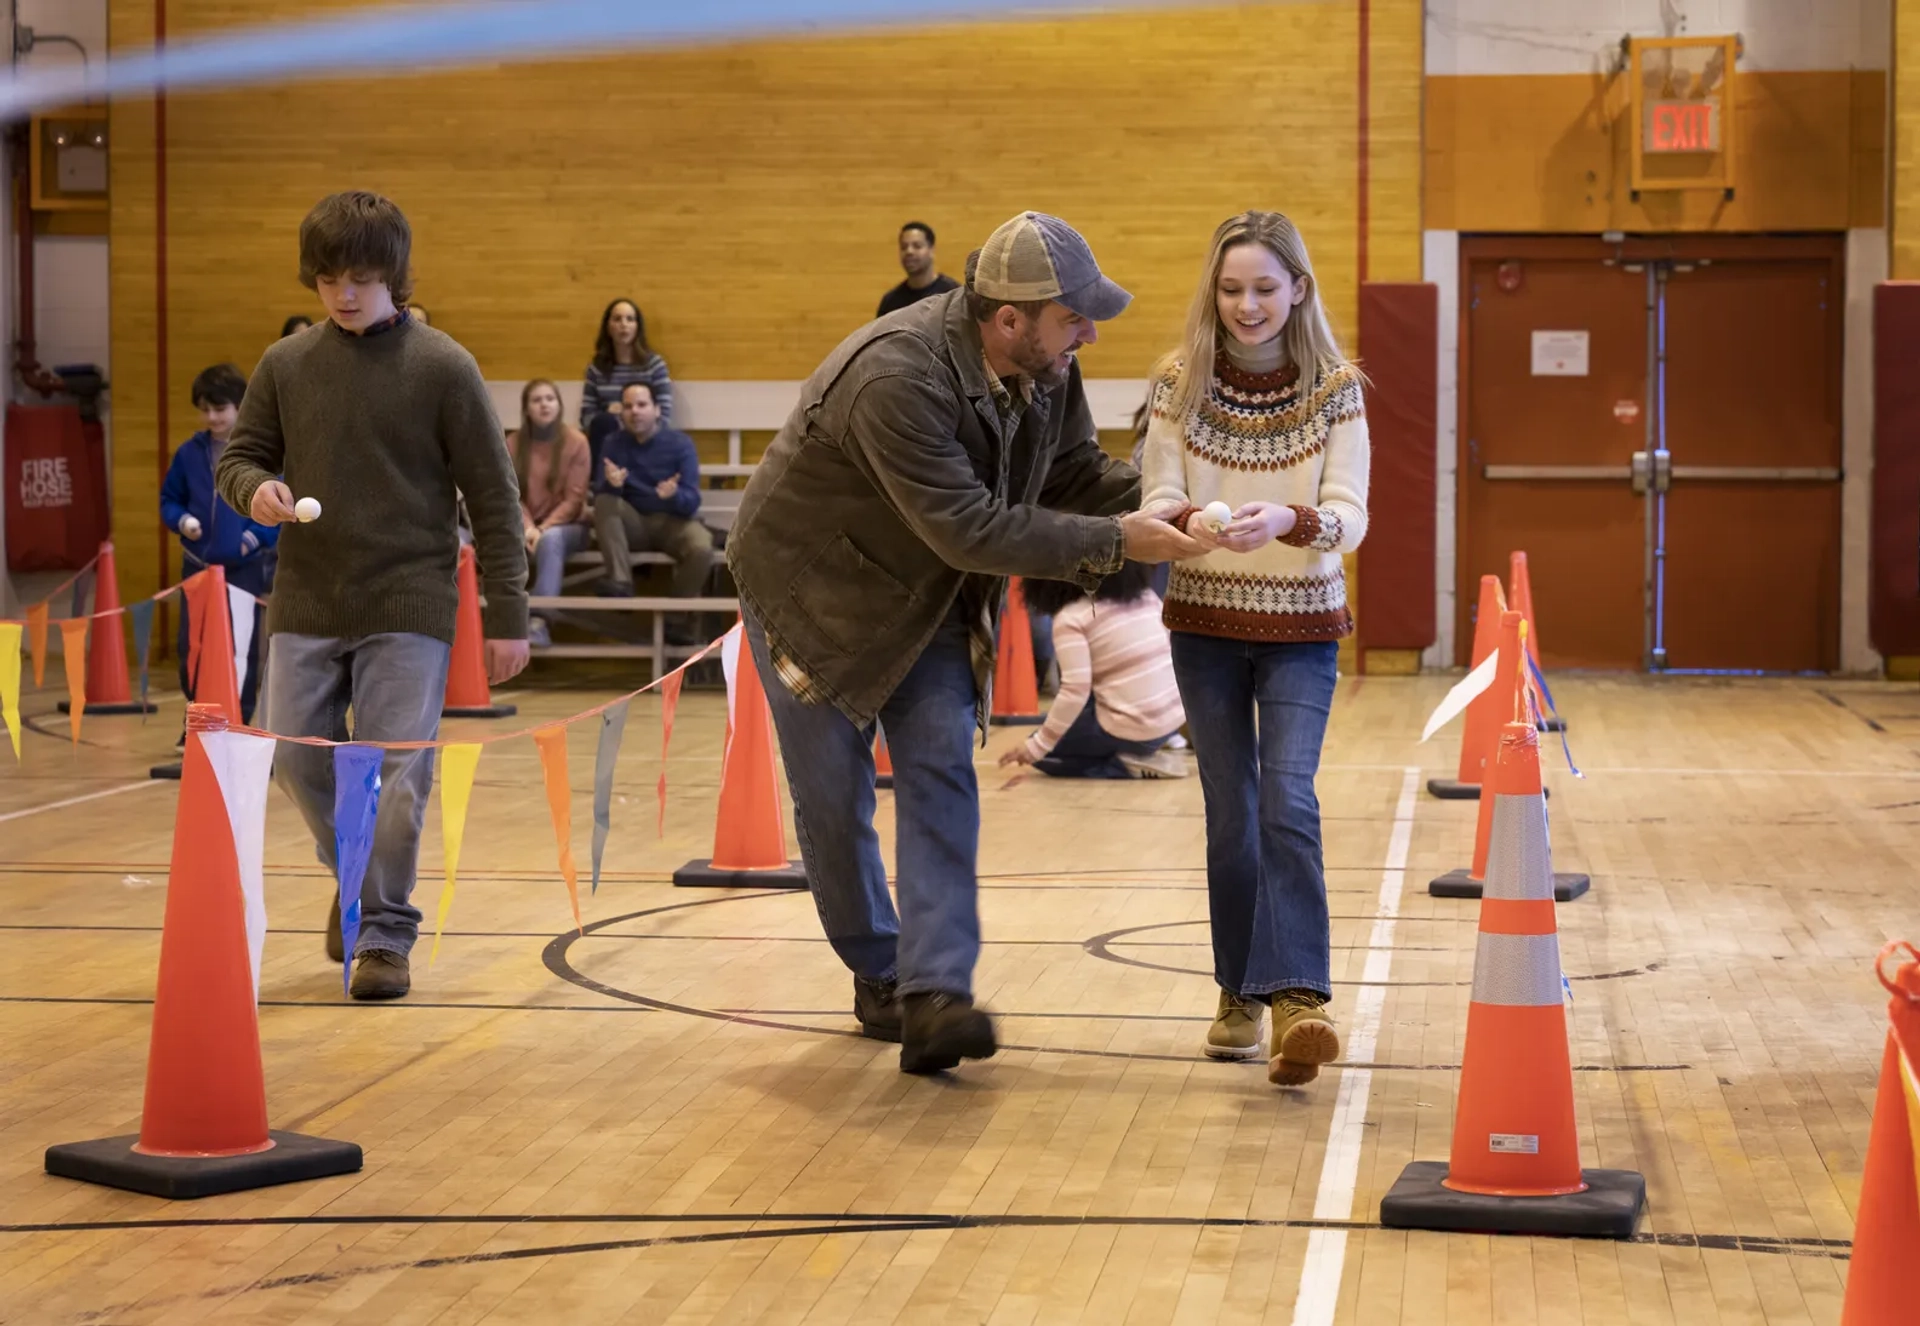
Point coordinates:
pixel 1839 703
pixel 810 1227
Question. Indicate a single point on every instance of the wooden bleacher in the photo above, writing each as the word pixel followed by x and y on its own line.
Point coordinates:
pixel 712 412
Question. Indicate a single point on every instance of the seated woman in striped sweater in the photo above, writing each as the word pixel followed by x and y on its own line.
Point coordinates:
pixel 621 355
pixel 1118 705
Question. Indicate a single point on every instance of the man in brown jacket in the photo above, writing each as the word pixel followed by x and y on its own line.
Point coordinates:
pixel 932 455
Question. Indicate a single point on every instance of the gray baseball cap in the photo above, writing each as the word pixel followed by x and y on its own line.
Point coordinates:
pixel 1036 256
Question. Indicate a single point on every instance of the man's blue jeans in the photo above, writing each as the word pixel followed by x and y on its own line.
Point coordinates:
pixel 1258 713
pixel 933 941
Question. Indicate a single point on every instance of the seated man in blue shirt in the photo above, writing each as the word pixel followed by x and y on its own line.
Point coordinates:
pixel 648 491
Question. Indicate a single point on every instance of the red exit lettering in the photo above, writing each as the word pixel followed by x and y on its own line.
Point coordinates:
pixel 1680 126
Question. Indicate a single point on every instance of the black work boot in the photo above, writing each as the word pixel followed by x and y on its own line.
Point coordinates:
pixel 876 1006
pixel 938 1030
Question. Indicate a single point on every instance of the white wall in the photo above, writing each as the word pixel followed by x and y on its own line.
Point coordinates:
pixel 1580 36
pixel 70 294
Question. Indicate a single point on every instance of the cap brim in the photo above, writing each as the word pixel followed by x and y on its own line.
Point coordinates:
pixel 1099 300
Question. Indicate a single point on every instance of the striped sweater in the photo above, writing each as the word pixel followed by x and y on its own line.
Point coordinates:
pixel 1119 654
pixel 604 385
pixel 1257 437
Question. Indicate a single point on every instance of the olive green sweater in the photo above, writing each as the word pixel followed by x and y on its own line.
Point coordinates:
pixel 382 429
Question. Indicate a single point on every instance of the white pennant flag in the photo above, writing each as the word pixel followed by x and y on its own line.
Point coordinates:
pixel 1463 694
pixel 730 648
pixel 240 609
pixel 243 766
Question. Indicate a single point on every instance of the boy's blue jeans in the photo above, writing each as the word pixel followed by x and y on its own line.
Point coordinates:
pixel 932 943
pixel 395 683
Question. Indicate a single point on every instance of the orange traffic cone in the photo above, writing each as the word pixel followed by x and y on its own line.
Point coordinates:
pixel 108 690
pixel 750 837
pixel 882 762
pixel 1016 690
pixel 1881 1289
pixel 467 693
pixel 1486 714
pixel 210 661
pixel 1520 598
pixel 1515 1166
pixel 1509 682
pixel 204 1129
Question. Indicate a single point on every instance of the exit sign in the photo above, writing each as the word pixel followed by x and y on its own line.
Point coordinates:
pixel 1681 126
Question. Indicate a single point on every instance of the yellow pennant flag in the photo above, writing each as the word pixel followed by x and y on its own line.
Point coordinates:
pixel 10 681
pixel 73 655
pixel 457 764
pixel 552 742
pixel 37 641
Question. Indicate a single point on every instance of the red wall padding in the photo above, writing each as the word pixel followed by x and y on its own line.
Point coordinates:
pixel 1893 611
pixel 1399 349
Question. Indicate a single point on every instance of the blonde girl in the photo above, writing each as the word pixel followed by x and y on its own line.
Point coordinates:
pixel 1259 409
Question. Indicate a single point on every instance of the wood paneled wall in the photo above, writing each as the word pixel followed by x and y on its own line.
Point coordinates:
pixel 748 196
pixel 1550 153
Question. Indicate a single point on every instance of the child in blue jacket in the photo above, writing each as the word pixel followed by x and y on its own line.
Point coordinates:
pixel 211 532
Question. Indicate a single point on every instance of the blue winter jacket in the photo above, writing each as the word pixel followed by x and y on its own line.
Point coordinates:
pixel 227 538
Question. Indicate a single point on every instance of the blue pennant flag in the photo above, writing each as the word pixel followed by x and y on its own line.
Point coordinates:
pixel 1540 682
pixel 613 726
pixel 356 805
pixel 141 615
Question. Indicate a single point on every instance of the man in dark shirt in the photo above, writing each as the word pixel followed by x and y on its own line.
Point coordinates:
pixel 648 494
pixel 924 279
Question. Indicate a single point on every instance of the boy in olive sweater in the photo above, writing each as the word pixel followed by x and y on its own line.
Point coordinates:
pixel 381 418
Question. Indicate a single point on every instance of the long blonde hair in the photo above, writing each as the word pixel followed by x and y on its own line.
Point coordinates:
pixel 1307 338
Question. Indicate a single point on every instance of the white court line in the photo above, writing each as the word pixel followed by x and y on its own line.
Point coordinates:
pixel 1327 1248
pixel 74 801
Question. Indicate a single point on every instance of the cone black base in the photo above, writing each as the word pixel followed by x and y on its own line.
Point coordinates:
pixel 481 711
pixel 1608 1209
pixel 1553 725
pixel 1447 789
pixel 705 875
pixel 1017 720
pixel 883 781
pixel 170 772
pixel 112 1162
pixel 117 707
pixel 1567 885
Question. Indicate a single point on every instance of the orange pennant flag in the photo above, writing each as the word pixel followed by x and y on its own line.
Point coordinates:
pixel 669 704
pixel 552 742
pixel 37 641
pixel 73 653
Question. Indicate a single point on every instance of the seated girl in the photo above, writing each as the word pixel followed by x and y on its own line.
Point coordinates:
pixel 551 461
pixel 1118 706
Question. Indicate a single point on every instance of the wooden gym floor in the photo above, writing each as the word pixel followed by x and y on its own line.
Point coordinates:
pixel 670 1120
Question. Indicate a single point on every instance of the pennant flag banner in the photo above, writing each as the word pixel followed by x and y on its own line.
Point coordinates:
pixel 729 665
pixel 457 764
pixel 552 742
pixel 37 642
pixel 243 766
pixel 240 608
pixel 613 727
pixel 356 807
pixel 1462 695
pixel 669 705
pixel 73 657
pixel 141 614
pixel 10 681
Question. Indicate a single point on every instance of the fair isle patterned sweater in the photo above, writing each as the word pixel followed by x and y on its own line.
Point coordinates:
pixel 1257 438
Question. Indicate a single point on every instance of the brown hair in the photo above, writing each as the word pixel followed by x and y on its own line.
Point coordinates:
pixel 604 357
pixel 357 231
pixel 523 440
pixel 982 308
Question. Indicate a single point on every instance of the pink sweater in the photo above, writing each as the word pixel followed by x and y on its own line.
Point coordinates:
pixel 1119 654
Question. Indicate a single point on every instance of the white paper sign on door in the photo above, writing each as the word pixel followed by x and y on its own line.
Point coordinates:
pixel 1560 354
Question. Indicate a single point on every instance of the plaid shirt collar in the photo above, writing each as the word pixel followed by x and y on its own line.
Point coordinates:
pixel 1004 399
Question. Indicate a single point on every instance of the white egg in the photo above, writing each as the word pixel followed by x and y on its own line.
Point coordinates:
pixel 1217 514
pixel 307 508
